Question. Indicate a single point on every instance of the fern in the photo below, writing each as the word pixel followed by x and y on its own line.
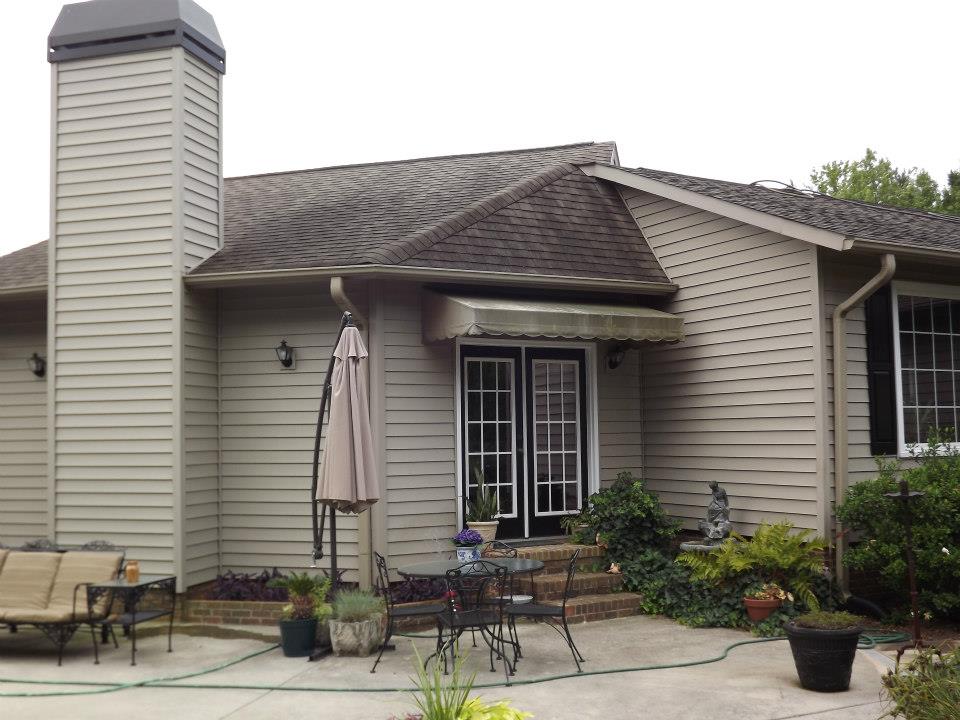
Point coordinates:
pixel 793 560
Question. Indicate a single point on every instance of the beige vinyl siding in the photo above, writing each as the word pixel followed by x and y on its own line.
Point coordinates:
pixel 736 401
pixel 201 162
pixel 420 432
pixel 201 519
pixel 268 420
pixel 619 416
pixel 113 297
pixel 23 424
pixel 842 276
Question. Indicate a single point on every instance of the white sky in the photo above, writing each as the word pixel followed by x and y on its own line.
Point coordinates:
pixel 735 90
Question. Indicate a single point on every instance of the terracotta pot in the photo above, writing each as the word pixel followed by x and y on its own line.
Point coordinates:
pixel 760 610
pixel 487 530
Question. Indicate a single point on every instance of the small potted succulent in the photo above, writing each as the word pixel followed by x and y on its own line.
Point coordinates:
pixel 482 510
pixel 761 603
pixel 298 622
pixel 468 542
pixel 824 645
pixel 356 627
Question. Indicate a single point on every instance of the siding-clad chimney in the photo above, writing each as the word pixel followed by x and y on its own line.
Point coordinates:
pixel 136 187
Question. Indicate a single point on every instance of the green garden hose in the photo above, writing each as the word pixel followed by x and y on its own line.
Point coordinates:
pixel 95 688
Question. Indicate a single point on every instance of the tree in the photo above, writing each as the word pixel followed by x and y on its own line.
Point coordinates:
pixel 874 179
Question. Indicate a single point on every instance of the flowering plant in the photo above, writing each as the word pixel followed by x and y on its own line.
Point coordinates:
pixel 467 538
pixel 770 591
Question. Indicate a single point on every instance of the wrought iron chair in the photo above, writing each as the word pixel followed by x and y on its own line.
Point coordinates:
pixel 553 615
pixel 475 602
pixel 394 612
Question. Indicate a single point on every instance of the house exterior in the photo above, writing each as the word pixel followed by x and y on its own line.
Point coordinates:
pixel 544 316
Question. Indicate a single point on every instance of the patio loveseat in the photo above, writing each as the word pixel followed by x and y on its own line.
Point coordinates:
pixel 48 590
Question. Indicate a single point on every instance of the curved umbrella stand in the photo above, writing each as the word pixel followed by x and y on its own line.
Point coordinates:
pixel 318 519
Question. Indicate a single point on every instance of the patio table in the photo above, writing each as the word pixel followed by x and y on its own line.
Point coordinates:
pixel 130 594
pixel 440 568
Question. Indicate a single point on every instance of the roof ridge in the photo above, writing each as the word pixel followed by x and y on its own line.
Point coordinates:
pixel 411 245
pixel 515 151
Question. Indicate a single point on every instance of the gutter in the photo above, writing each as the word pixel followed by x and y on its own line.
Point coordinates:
pixel 840 424
pixel 249 277
pixel 24 291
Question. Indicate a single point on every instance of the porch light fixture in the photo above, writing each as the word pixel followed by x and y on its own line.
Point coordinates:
pixel 37 365
pixel 285 355
pixel 615 356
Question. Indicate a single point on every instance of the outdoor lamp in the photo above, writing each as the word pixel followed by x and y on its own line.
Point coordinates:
pixel 37 365
pixel 615 356
pixel 284 354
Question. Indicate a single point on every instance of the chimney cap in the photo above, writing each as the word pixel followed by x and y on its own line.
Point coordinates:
pixel 111 27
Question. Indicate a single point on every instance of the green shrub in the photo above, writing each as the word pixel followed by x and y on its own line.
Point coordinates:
pixel 821 620
pixel 628 518
pixel 793 560
pixel 356 605
pixel 928 688
pixel 306 593
pixel 936 527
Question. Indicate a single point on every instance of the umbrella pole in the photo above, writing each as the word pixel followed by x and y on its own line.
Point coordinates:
pixel 346 320
pixel 334 573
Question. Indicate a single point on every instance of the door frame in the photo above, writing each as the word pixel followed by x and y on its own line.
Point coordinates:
pixel 592 408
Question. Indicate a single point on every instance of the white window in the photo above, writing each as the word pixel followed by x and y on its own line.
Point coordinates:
pixel 926 322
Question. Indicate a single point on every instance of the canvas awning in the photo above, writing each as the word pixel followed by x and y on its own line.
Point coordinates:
pixel 450 316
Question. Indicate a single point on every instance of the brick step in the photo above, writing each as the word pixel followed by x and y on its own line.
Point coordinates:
pixel 587 608
pixel 556 557
pixel 550 586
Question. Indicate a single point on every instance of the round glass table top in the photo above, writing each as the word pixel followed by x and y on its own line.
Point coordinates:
pixel 439 568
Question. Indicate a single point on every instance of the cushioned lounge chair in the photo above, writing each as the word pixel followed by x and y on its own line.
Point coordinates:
pixel 48 590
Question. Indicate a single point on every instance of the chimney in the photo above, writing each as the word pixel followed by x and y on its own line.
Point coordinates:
pixel 136 190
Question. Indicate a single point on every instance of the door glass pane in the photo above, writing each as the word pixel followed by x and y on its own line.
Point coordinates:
pixel 490 430
pixel 556 419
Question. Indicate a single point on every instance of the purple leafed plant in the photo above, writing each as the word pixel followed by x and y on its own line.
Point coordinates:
pixel 247 586
pixel 467 537
pixel 414 589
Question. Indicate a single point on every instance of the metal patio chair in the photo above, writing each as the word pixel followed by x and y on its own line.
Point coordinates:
pixel 393 611
pixel 553 615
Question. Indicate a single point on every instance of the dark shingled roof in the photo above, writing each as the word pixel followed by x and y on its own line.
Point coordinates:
pixel 24 268
pixel 368 214
pixel 866 221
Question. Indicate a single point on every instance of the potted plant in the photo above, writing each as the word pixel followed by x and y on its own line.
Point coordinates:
pixel 298 622
pixel 575 527
pixel 468 542
pixel 482 510
pixel 824 645
pixel 356 627
pixel 762 602
pixel 322 610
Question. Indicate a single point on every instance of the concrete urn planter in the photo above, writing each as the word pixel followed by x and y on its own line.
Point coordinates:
pixel 487 530
pixel 356 638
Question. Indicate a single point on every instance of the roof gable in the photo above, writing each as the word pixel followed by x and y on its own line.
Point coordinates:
pixel 562 223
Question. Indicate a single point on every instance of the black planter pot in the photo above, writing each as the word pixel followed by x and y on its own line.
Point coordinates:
pixel 298 637
pixel 824 658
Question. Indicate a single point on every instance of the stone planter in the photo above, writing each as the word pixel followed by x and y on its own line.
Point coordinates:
pixel 824 658
pixel 356 638
pixel 760 610
pixel 487 530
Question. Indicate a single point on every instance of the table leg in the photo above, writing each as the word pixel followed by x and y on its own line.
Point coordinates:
pixel 133 636
pixel 173 611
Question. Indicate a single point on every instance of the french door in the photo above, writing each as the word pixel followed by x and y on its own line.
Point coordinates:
pixel 524 432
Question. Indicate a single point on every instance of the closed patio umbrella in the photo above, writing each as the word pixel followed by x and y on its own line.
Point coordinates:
pixel 346 480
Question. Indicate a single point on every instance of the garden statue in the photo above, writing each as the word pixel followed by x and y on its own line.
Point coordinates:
pixel 716 528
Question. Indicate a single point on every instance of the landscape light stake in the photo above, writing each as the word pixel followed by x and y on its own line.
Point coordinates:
pixel 904 497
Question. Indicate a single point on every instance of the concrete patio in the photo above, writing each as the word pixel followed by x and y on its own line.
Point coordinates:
pixel 756 682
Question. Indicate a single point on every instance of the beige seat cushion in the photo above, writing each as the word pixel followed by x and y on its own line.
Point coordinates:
pixel 79 567
pixel 26 579
pixel 33 615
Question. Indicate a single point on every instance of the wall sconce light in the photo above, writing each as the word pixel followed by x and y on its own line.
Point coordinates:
pixel 615 356
pixel 37 365
pixel 285 355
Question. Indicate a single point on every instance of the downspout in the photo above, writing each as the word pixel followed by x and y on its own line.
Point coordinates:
pixel 364 527
pixel 841 453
